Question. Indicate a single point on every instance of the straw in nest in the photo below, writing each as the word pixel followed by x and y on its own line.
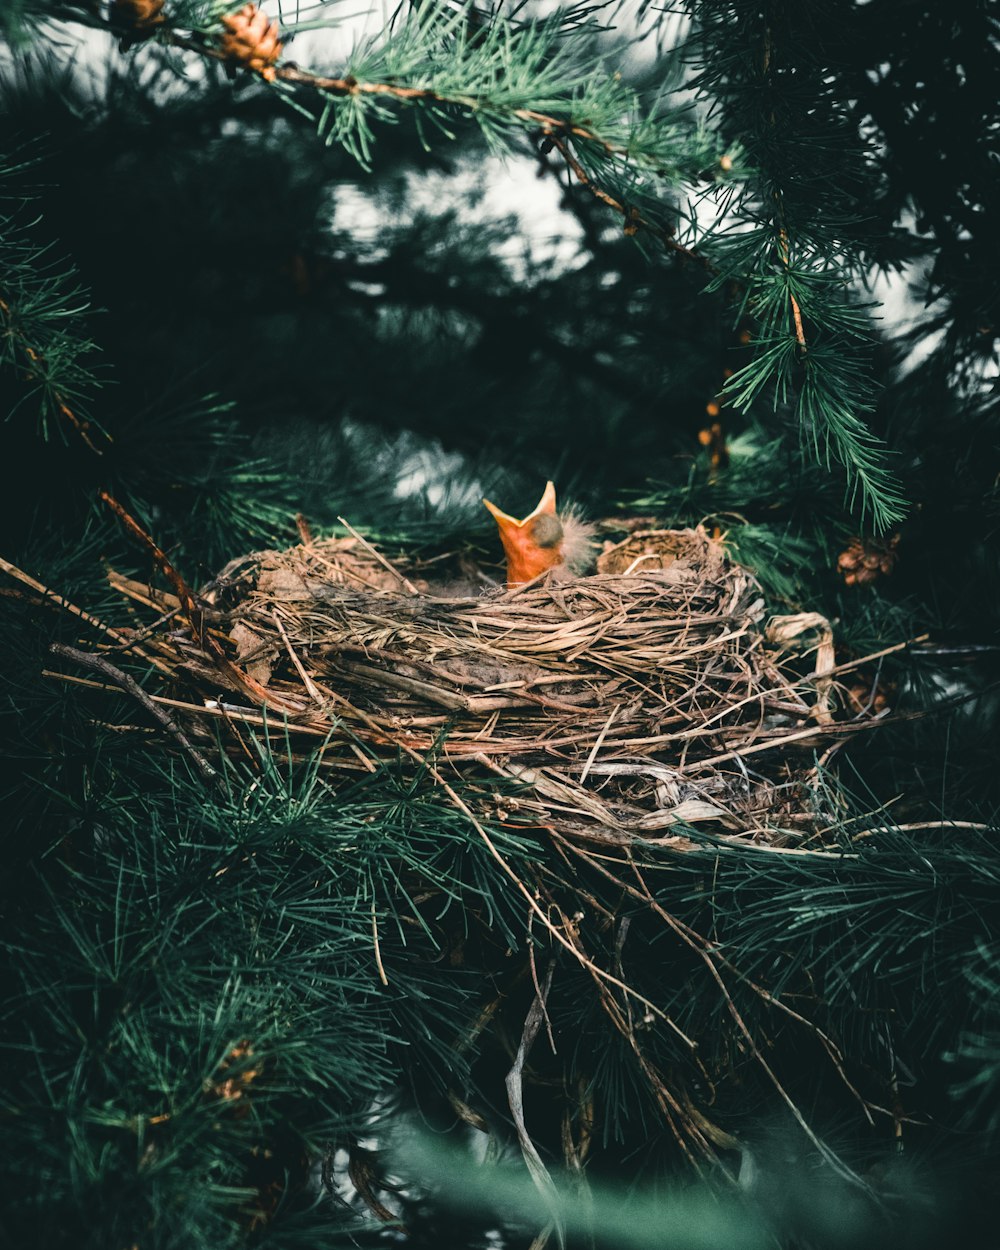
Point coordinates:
pixel 646 699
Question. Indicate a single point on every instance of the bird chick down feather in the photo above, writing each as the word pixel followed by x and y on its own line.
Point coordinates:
pixel 544 540
pixel 579 542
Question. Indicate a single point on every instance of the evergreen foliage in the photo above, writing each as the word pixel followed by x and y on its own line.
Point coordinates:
pixel 226 999
pixel 800 235
pixel 44 343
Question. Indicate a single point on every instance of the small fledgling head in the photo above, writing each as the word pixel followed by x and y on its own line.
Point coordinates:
pixel 533 545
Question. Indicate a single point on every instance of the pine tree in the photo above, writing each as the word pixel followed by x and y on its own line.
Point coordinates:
pixel 234 992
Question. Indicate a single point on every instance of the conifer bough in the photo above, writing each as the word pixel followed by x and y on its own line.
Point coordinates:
pixel 794 261
pixel 640 709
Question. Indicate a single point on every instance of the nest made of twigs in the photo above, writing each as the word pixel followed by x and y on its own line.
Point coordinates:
pixel 650 697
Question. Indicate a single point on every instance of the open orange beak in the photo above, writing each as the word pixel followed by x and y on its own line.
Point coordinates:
pixel 533 545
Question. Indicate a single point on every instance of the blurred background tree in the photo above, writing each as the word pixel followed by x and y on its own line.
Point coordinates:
pixel 634 250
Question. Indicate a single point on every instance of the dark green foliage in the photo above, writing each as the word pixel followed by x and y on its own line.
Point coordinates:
pixel 44 351
pixel 803 232
pixel 216 995
pixel 977 1059
pixel 179 942
pixel 197 989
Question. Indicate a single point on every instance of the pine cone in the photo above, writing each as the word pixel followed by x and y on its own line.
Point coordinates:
pixel 867 559
pixel 138 18
pixel 251 39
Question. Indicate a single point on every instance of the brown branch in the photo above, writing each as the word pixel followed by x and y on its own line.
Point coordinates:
pixel 130 686
pixel 194 613
pixel 709 953
pixel 50 596
pixel 633 218
pixel 189 605
pixel 350 86
pixel 701 1131
pixel 552 126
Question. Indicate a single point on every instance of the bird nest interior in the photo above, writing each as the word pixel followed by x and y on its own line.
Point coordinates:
pixel 655 699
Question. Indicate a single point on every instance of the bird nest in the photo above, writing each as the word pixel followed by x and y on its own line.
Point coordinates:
pixel 649 700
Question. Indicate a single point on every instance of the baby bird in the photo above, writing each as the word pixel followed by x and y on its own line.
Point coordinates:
pixel 543 540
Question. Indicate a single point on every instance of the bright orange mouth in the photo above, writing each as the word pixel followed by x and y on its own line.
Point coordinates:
pixel 533 545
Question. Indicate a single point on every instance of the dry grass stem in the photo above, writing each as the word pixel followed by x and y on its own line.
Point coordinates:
pixel 649 698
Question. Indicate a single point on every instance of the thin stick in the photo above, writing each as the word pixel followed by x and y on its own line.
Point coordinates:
pixel 142 634
pixel 307 681
pixel 701 948
pixel 58 600
pixel 305 533
pixel 597 745
pixel 867 659
pixel 552 127
pixel 226 711
pixel 183 592
pixel 846 1172
pixel 816 730
pixel 800 334
pixel 378 556
pixel 633 219
pixel 194 613
pixel 350 86
pixel 714 949
pixel 378 951
pixel 131 687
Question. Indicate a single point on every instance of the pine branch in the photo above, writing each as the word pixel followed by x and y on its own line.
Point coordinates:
pixel 41 326
pixel 803 234
pixel 510 77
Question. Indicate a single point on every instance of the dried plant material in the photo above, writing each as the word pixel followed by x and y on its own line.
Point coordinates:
pixel 632 704
pixel 352 565
pixel 644 550
pixel 252 40
pixel 810 630
pixel 865 560
pixel 252 652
